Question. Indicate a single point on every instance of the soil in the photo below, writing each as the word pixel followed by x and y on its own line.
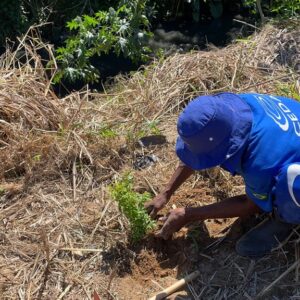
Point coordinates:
pixel 155 264
pixel 208 246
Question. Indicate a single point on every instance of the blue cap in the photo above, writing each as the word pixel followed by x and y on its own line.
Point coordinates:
pixel 212 129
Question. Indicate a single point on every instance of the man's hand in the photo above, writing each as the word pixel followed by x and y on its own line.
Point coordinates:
pixel 181 174
pixel 176 219
pixel 237 206
pixel 156 204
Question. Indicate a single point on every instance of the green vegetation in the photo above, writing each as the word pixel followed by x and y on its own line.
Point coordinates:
pixel 277 8
pixel 122 31
pixel 2 191
pixel 17 15
pixel 37 157
pixel 288 90
pixel 89 29
pixel 286 8
pixel 107 133
pixel 132 205
pixel 147 128
pixel 125 30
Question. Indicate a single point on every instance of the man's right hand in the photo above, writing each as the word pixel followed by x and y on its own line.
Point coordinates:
pixel 156 204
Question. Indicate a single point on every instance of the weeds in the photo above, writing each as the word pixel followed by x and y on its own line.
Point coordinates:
pixel 107 133
pixel 132 205
pixel 288 90
pixel 2 191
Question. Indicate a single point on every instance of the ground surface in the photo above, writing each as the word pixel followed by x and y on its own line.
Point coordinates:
pixel 62 236
pixel 207 246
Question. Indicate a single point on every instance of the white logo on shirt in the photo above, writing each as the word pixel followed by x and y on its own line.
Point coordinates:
pixel 292 172
pixel 279 112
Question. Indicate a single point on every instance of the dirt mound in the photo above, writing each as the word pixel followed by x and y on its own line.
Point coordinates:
pixel 62 236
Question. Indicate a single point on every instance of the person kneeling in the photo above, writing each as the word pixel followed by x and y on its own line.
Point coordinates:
pixel 256 136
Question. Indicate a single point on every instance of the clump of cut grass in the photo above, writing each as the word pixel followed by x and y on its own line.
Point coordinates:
pixel 131 204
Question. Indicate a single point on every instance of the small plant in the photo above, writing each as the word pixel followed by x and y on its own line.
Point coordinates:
pixel 288 90
pixel 104 132
pixel 132 205
pixel 145 129
pixel 107 133
pixel 37 157
pixel 153 127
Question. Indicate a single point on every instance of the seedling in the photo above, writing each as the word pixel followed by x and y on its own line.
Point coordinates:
pixel 107 133
pixel 37 157
pixel 131 204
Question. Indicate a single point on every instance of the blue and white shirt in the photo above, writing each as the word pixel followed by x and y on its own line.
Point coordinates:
pixel 274 142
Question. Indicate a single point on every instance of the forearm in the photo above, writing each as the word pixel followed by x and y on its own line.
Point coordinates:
pixel 238 206
pixel 181 174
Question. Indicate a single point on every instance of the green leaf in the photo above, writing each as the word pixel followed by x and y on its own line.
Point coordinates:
pixel 122 31
pixel 90 21
pixel 72 25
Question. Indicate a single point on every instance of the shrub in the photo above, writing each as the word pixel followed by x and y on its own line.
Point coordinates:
pixel 122 31
pixel 281 8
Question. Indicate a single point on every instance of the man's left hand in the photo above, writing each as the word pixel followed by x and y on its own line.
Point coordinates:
pixel 172 222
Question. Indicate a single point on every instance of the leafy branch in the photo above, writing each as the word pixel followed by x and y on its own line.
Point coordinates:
pixel 122 31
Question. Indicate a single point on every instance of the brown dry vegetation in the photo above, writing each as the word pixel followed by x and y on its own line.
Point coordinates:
pixel 63 237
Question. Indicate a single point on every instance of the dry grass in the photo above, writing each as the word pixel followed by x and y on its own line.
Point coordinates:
pixel 58 222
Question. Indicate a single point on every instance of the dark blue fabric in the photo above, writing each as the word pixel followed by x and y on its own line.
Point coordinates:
pixel 212 129
pixel 287 193
pixel 234 163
